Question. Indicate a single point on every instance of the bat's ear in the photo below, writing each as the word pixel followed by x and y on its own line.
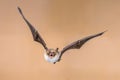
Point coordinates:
pixel 56 49
pixel 47 51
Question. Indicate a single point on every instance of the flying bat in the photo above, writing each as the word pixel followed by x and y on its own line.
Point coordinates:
pixel 54 55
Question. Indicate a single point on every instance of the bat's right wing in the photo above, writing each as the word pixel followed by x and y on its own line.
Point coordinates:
pixel 36 35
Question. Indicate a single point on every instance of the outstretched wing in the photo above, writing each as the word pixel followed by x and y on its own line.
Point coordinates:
pixel 36 35
pixel 78 44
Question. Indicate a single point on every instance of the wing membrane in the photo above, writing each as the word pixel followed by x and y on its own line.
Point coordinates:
pixel 79 43
pixel 35 34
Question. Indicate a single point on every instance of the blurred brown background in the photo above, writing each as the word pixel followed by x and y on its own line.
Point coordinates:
pixel 60 22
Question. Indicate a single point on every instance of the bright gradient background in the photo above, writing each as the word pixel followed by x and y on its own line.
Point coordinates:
pixel 60 22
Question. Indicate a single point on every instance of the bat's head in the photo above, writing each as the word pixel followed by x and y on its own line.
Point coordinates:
pixel 52 52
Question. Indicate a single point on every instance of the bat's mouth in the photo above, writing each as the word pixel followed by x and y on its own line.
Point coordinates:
pixel 51 54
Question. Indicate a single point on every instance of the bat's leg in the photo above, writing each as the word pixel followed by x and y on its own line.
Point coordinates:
pixel 54 62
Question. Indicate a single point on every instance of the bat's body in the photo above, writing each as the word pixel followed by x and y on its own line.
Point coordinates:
pixel 53 55
pixel 54 59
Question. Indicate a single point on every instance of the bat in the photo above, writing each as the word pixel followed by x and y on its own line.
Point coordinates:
pixel 54 55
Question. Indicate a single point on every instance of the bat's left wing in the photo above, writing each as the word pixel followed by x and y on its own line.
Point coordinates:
pixel 78 44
